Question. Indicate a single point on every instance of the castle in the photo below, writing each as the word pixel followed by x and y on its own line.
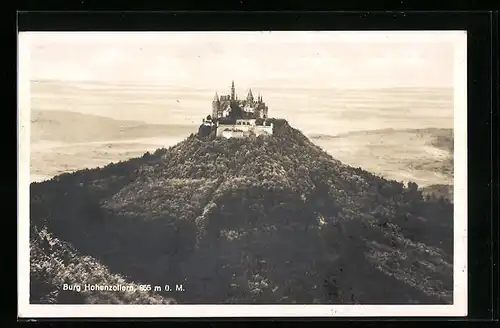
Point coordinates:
pixel 234 118
pixel 227 105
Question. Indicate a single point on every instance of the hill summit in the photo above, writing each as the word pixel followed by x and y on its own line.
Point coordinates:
pixel 267 219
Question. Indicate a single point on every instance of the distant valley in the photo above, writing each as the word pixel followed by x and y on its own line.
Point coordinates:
pixel 64 141
pixel 424 156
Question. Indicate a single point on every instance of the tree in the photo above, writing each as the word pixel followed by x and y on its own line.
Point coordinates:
pixel 204 131
pixel 412 186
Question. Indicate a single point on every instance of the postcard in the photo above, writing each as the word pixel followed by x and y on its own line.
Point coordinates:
pixel 248 174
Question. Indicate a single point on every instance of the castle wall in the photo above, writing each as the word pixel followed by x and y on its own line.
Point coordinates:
pixel 226 131
pixel 231 134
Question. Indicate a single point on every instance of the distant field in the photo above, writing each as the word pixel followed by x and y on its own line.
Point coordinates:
pixel 66 141
pixel 424 156
pixel 66 126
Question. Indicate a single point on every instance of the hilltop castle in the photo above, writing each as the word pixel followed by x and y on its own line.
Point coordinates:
pixel 230 105
pixel 234 118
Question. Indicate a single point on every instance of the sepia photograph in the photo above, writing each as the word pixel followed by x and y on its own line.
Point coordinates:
pixel 283 173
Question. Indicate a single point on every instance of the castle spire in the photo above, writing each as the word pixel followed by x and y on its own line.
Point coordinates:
pixel 250 95
pixel 233 93
pixel 216 98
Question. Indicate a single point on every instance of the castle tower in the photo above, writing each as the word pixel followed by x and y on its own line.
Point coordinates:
pixel 233 93
pixel 215 106
pixel 250 96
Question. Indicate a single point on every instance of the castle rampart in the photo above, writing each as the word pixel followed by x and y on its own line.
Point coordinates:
pixel 241 131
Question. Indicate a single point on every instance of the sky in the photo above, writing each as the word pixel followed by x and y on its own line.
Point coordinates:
pixel 284 59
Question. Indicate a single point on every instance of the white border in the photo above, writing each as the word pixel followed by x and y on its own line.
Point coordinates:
pixel 459 307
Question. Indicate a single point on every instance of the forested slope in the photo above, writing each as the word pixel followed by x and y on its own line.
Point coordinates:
pixel 256 220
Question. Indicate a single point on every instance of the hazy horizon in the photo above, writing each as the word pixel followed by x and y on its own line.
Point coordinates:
pixel 223 90
pixel 288 59
pixel 319 110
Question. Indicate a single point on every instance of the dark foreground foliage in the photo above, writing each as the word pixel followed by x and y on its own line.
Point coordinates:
pixel 55 263
pixel 268 219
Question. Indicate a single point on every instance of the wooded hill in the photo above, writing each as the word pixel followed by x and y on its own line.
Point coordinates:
pixel 268 219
